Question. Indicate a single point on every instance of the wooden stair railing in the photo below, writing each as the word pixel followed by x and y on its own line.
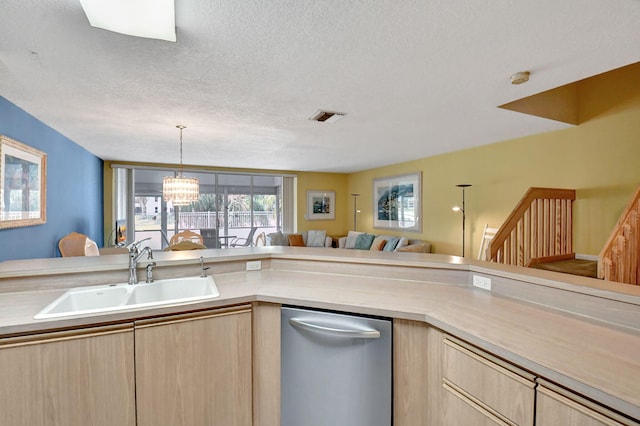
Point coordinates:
pixel 619 259
pixel 538 230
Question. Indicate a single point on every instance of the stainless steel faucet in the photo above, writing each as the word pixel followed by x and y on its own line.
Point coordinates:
pixel 204 270
pixel 135 254
pixel 150 267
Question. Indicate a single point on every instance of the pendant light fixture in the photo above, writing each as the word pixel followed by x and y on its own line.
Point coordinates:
pixel 179 190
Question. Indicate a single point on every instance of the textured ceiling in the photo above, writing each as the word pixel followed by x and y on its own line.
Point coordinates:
pixel 416 77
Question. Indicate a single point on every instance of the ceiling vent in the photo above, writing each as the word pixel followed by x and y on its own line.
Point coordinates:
pixel 326 116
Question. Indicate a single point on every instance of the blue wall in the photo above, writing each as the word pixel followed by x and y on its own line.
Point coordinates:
pixel 74 188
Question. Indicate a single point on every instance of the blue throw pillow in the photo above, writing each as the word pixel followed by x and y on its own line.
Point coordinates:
pixel 391 244
pixel 364 241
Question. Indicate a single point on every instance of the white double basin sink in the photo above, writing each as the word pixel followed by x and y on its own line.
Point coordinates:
pixel 118 297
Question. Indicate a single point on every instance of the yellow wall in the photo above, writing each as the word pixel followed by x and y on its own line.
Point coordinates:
pixel 321 182
pixel 599 158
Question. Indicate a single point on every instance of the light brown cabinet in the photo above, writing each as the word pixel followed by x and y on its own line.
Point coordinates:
pixel 416 393
pixel 78 377
pixel 442 380
pixel 191 369
pixel 195 369
pixel 439 380
pixel 557 406
pixel 481 387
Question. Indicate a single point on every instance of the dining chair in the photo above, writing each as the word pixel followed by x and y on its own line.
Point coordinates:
pixel 261 239
pixel 245 242
pixel 77 244
pixel 188 236
pixel 184 245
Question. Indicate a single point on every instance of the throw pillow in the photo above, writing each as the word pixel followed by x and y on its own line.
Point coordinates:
pixel 402 243
pixel 316 238
pixel 351 239
pixel 364 241
pixel 295 240
pixel 378 244
pixel 391 244
pixel 278 239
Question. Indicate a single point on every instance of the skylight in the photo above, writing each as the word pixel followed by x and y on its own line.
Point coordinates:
pixel 139 18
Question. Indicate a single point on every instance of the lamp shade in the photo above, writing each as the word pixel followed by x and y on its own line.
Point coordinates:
pixel 180 191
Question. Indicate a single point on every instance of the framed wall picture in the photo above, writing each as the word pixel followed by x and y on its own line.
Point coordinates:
pixel 23 190
pixel 321 205
pixel 397 201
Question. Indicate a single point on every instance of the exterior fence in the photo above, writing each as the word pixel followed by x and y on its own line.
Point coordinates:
pixel 235 220
pixel 239 225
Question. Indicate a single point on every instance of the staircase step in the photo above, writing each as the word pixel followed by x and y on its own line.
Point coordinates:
pixel 582 267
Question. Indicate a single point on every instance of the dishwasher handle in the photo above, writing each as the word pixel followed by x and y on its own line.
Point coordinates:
pixel 370 333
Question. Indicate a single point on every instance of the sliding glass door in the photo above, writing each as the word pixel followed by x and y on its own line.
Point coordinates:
pixel 232 207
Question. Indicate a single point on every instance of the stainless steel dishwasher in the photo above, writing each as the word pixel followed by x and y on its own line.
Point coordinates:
pixel 336 369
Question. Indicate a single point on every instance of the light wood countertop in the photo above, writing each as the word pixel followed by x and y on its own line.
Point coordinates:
pixel 547 323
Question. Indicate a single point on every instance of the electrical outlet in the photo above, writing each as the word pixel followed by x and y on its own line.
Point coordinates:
pixel 254 265
pixel 482 282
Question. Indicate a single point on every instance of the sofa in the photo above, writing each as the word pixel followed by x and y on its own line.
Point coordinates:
pixel 390 243
pixel 354 240
pixel 300 239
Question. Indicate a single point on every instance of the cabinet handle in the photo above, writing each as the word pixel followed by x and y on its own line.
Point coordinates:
pixel 339 332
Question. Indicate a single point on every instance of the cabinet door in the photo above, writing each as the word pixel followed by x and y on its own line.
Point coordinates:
pixel 80 377
pixel 487 383
pixel 561 407
pixel 266 364
pixel 195 369
pixel 416 373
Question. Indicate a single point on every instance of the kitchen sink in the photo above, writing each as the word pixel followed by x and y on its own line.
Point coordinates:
pixel 86 300
pixel 173 291
pixel 117 297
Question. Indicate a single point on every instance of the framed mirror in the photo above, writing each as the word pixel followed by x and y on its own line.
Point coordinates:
pixel 23 191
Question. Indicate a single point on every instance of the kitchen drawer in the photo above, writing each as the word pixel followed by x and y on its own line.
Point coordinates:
pixel 558 406
pixel 487 383
pixel 459 409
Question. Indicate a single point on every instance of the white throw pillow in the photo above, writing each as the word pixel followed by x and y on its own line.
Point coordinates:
pixel 402 243
pixel 352 236
pixel 316 238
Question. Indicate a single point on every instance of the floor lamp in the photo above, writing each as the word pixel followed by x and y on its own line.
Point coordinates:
pixel 355 211
pixel 461 209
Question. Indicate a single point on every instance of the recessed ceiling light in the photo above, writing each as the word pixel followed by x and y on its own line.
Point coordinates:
pixel 520 77
pixel 327 116
pixel 140 18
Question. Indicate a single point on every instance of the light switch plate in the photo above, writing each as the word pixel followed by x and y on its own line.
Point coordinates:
pixel 482 282
pixel 254 265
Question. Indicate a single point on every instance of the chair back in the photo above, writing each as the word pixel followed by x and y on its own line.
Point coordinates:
pixel 261 239
pixel 245 242
pixel 187 235
pixel 77 244
pixel 252 233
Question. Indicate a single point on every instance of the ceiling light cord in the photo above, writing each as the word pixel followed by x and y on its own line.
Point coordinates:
pixel 179 190
pixel 181 127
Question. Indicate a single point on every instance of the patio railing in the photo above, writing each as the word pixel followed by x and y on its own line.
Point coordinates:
pixel 202 220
